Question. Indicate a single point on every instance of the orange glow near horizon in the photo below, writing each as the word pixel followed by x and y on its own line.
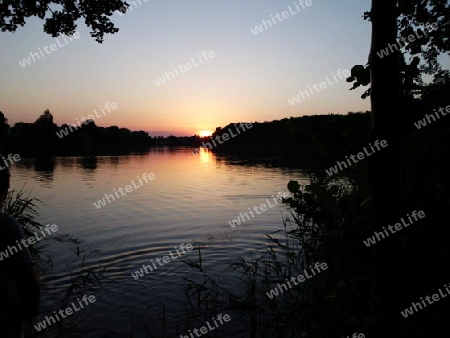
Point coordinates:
pixel 204 133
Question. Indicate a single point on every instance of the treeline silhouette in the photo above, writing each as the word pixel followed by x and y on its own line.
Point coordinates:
pixel 314 141
pixel 310 137
pixel 311 140
pixel 44 138
pixel 318 141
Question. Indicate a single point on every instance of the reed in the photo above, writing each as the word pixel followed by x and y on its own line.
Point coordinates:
pixel 324 218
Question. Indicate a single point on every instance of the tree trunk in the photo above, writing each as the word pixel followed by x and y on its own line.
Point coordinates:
pixel 384 172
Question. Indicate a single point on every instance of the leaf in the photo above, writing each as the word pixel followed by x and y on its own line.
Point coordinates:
pixel 293 186
pixel 357 70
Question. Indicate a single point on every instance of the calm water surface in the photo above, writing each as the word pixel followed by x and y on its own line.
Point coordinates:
pixel 192 198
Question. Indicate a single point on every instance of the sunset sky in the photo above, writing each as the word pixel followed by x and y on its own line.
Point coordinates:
pixel 250 78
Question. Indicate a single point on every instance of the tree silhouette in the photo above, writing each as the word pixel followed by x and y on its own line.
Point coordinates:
pixel 3 124
pixel 44 137
pixel 13 14
pixel 395 80
pixel 4 127
pixel 45 121
pixel 420 53
pixel 384 169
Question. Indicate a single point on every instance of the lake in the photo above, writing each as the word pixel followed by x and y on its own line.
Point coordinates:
pixel 191 199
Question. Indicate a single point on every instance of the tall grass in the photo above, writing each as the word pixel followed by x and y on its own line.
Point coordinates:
pixel 325 220
pixel 24 208
pixel 21 206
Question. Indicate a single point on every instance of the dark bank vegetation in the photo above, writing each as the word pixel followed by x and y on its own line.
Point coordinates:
pixel 316 138
pixel 327 218
pixel 40 138
pixel 328 223
pixel 25 209
pixel 309 140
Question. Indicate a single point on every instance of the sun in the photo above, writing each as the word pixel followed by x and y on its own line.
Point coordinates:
pixel 205 133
